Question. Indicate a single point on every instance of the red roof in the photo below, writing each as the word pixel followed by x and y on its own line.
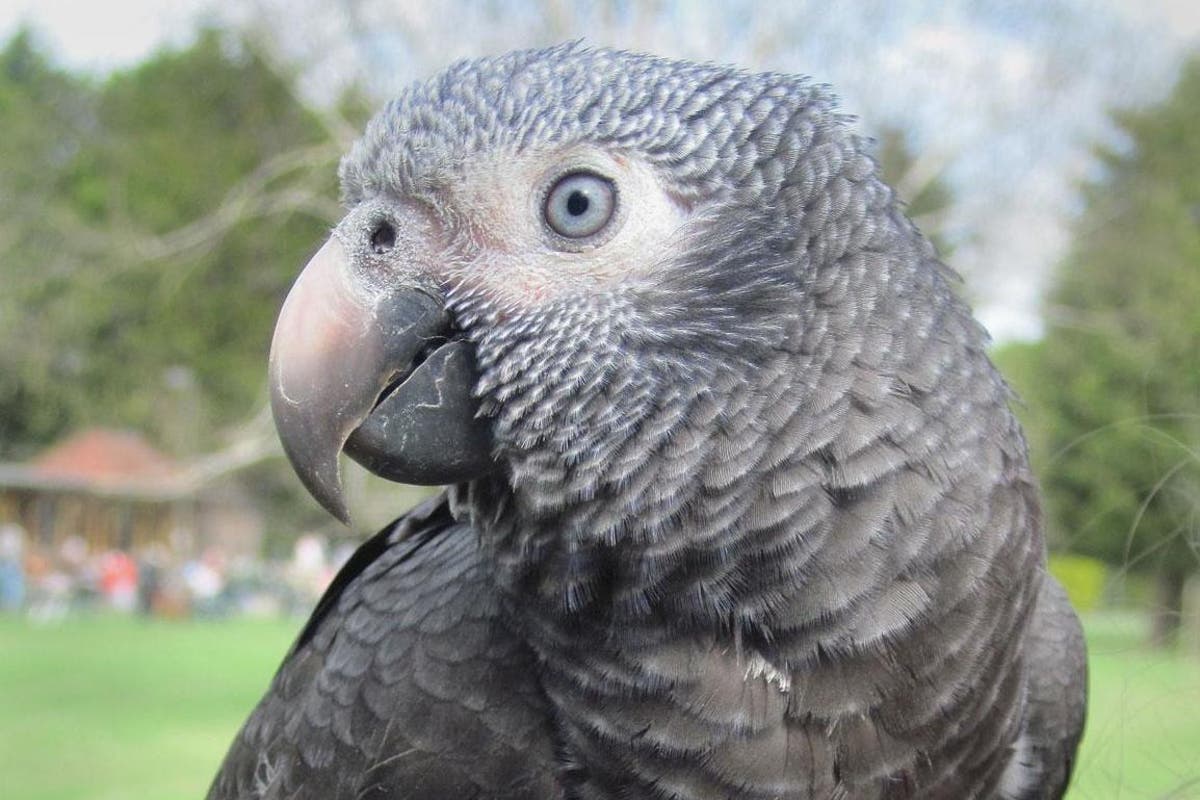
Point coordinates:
pixel 100 456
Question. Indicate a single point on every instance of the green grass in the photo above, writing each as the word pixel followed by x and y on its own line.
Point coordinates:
pixel 109 708
pixel 1143 732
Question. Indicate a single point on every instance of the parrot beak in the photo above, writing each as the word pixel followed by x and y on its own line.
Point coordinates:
pixel 378 372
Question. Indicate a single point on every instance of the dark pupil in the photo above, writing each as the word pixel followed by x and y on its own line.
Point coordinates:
pixel 577 204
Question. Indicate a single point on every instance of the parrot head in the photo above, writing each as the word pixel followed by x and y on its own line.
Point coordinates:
pixel 557 264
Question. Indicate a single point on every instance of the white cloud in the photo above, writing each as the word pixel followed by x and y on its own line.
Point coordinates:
pixel 1178 19
pixel 962 54
pixel 103 36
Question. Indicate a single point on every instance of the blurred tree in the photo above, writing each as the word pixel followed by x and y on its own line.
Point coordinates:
pixel 150 225
pixel 920 184
pixel 48 116
pixel 213 182
pixel 177 201
pixel 1114 389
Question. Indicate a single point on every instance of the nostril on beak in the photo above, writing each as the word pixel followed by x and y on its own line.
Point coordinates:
pixel 383 238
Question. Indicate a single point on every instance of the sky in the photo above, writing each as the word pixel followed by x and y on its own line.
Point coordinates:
pixel 102 36
pixel 1004 97
pixel 117 33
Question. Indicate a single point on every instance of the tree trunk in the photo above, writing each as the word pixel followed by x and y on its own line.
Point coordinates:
pixel 1168 607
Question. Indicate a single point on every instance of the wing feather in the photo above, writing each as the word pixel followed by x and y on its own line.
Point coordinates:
pixel 403 684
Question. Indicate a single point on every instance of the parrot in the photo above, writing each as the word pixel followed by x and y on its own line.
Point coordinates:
pixel 734 503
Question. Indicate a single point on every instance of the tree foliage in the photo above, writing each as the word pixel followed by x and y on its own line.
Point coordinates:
pixel 158 220
pixel 924 190
pixel 47 116
pixel 1114 389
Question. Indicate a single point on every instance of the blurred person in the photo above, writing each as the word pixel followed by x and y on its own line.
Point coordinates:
pixel 49 587
pixel 12 567
pixel 205 581
pixel 80 570
pixel 118 579
pixel 151 565
pixel 309 570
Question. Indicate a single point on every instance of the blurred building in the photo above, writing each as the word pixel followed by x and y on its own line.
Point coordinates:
pixel 115 491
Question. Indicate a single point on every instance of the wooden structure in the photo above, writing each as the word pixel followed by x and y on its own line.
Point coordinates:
pixel 116 492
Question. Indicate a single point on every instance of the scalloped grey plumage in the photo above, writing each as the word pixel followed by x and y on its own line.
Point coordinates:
pixel 766 526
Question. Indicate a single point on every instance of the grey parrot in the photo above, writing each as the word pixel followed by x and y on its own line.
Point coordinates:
pixel 736 504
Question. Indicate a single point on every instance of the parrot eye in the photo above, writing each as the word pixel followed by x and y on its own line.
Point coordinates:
pixel 580 204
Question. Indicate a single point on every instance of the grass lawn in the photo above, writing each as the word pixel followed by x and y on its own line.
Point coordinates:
pixel 1143 732
pixel 108 708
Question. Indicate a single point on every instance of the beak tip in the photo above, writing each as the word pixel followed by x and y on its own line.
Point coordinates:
pixel 343 516
pixel 317 465
pixel 328 492
pixel 341 512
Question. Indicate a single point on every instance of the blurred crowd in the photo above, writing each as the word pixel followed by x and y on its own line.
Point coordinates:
pixel 50 584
